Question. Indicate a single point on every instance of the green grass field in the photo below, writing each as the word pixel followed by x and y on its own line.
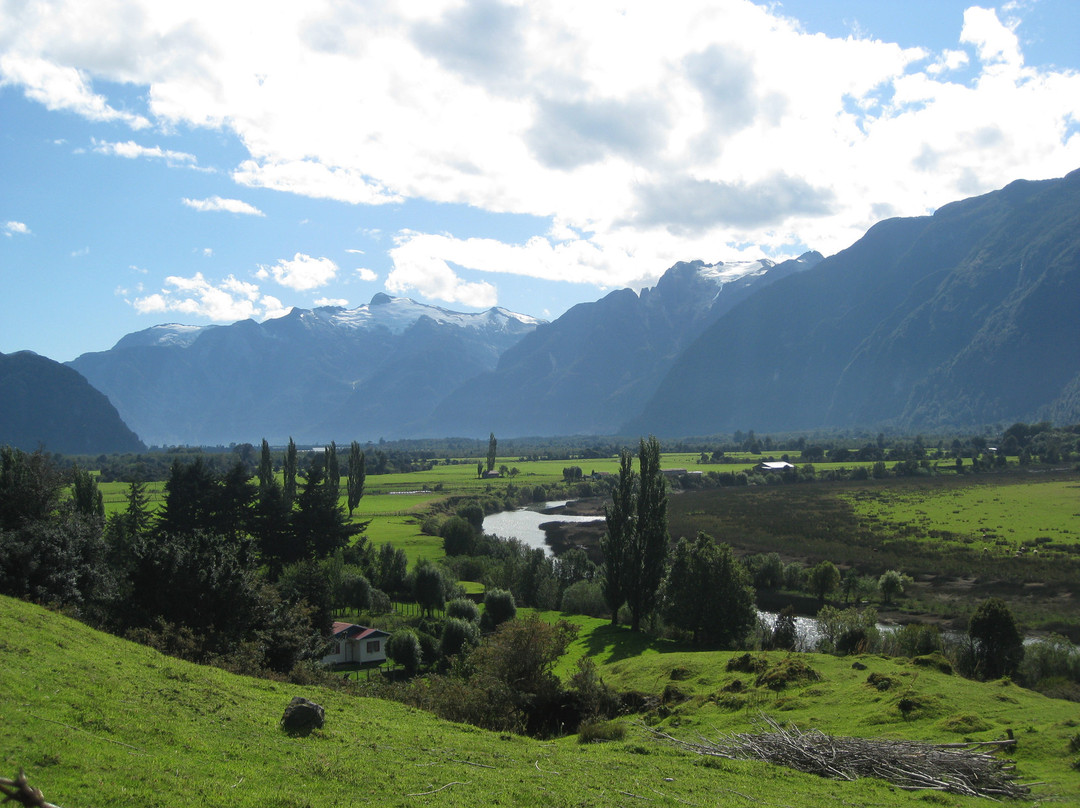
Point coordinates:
pixel 994 512
pixel 95 720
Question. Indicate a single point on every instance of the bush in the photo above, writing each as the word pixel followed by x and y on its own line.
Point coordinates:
pixel 912 640
pixel 458 536
pixel 597 731
pixel 463 609
pixel 499 606
pixel 380 602
pixel 403 647
pixel 458 635
pixel 1054 658
pixel 784 635
pixel 585 598
pixel 847 631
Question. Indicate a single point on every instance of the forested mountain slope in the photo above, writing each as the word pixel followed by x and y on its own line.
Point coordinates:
pixel 967 317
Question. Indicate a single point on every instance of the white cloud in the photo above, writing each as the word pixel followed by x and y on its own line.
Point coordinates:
pixel 61 87
pixel 301 273
pixel 644 133
pixel 16 229
pixel 366 274
pixel 226 301
pixel 82 252
pixel 332 301
pixel 216 203
pixel 310 178
pixel 132 150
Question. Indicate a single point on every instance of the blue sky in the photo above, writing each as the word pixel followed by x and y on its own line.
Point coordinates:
pixel 207 162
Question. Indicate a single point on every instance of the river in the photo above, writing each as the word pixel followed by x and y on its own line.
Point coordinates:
pixel 524 523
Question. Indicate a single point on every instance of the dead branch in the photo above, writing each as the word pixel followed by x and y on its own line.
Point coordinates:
pixel 909 765
pixel 437 790
pixel 20 791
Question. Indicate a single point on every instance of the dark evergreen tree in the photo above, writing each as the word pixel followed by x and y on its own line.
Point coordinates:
pixel 235 506
pixel 190 499
pixel 998 644
pixel 492 446
pixel 30 487
pixel 320 525
pixel 137 517
pixel 273 530
pixel 357 475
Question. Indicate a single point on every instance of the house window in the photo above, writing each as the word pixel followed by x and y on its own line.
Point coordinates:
pixel 373 647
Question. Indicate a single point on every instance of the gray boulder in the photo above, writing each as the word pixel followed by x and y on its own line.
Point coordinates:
pixel 302 716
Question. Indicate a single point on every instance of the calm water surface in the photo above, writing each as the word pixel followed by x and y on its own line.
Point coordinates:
pixel 524 524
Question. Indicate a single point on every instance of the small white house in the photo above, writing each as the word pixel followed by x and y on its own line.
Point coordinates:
pixel 353 643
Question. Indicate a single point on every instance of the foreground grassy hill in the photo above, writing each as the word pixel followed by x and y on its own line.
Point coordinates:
pixel 98 721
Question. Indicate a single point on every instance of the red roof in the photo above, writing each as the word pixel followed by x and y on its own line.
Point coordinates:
pixel 351 631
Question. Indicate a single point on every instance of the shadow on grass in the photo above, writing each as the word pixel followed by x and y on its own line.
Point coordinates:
pixel 609 643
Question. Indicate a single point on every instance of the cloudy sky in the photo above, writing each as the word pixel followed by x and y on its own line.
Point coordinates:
pixel 210 161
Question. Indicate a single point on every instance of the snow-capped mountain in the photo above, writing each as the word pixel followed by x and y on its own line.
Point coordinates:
pixel 595 366
pixel 315 374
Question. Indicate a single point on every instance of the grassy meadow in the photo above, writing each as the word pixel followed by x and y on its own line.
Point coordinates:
pixel 95 720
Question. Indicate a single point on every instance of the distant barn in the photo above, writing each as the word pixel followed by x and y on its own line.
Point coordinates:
pixel 778 465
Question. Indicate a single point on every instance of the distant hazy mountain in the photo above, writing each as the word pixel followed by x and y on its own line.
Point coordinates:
pixel 597 365
pixel 316 375
pixel 44 404
pixel 967 317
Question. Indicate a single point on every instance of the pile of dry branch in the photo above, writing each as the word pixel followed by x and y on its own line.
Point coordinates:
pixel 956 767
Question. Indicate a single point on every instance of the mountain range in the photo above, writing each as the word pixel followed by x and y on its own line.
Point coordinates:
pixel 44 405
pixel 315 375
pixel 960 319
pixel 967 317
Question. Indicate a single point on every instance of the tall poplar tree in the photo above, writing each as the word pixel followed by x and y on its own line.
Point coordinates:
pixel 649 549
pixel 615 543
pixel 357 475
pixel 266 467
pixel 289 467
pixel 492 445
pixel 636 545
pixel 333 469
